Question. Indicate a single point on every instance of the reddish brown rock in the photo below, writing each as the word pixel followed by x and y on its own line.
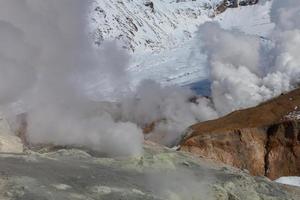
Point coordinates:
pixel 271 152
pixel 258 139
pixel 244 149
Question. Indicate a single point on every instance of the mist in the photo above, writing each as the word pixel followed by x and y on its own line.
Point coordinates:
pixel 182 184
pixel 169 108
pixel 76 94
pixel 246 70
pixel 46 65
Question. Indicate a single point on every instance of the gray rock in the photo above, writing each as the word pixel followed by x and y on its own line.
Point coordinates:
pixel 159 174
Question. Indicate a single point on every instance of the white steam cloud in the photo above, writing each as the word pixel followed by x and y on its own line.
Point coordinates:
pixel 46 62
pixel 246 70
pixel 51 71
pixel 170 108
pixel 287 37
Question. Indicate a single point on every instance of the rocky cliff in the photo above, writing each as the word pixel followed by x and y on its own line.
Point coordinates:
pixel 264 140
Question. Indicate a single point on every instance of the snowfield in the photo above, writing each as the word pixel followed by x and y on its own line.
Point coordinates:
pixel 139 26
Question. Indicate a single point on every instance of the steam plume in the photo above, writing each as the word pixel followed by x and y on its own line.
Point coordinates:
pixel 246 70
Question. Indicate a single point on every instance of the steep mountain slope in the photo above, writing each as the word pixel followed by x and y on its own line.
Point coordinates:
pixel 149 25
pixel 160 36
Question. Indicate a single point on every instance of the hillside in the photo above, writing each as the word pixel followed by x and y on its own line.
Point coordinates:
pixel 270 112
pixel 149 25
pixel 264 139
pixel 161 40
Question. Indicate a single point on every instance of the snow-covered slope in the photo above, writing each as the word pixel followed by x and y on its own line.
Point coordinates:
pixel 254 20
pixel 149 25
pixel 160 36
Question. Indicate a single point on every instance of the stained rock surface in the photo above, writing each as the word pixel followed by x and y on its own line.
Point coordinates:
pixel 160 173
pixel 264 139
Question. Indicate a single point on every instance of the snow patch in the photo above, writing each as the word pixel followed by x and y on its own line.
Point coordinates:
pixel 289 180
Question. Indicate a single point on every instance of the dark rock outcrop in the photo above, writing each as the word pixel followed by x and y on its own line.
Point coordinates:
pixel 222 7
pixel 283 149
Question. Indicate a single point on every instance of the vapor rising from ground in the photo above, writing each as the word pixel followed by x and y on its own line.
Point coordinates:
pixel 246 70
pixel 48 65
pixel 45 62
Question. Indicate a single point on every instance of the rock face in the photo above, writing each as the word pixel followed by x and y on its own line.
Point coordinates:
pixel 260 139
pixel 159 174
pixel 271 152
pixel 283 149
pixel 244 149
